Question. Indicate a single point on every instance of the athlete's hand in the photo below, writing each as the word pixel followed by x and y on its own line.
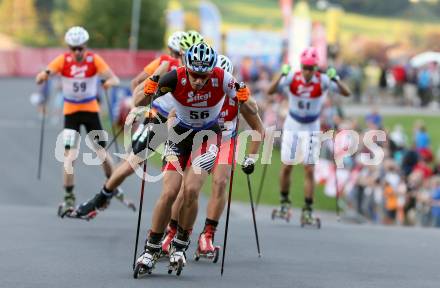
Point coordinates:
pixel 106 85
pixel 248 165
pixel 332 74
pixel 41 77
pixel 151 85
pixel 285 69
pixel 243 92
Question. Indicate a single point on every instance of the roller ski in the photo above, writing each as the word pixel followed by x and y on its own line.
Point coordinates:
pixel 119 195
pixel 307 218
pixel 166 242
pixel 88 210
pixel 205 247
pixel 177 256
pixel 147 261
pixel 67 205
pixel 284 212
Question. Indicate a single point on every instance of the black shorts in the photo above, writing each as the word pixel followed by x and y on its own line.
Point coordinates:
pixel 197 148
pixel 155 135
pixel 90 121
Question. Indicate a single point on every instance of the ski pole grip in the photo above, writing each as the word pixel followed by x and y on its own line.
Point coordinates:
pixel 239 85
pixel 155 78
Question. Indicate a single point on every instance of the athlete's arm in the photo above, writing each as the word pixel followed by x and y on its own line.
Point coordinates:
pixel 110 79
pixel 105 72
pixel 273 88
pixel 147 72
pixel 343 88
pixel 138 80
pixel 139 90
pixel 54 67
pixel 167 83
pixel 249 110
pixel 335 85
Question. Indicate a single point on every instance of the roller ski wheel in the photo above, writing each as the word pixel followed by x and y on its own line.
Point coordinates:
pixel 71 213
pixel 176 266
pixel 282 214
pixel 211 255
pixel 66 205
pixel 308 220
pixel 177 257
pixel 141 270
pixel 145 264
pixel 63 209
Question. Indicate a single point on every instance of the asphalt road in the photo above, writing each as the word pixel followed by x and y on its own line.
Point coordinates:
pixel 37 249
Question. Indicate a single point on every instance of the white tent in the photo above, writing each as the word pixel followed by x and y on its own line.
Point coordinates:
pixel 425 58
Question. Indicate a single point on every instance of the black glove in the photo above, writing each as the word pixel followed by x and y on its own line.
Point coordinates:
pixel 248 165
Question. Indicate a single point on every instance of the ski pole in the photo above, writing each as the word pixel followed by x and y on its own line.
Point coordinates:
pixel 40 156
pixel 141 200
pixel 231 180
pixel 263 177
pixel 43 123
pixel 260 188
pixel 336 178
pixel 110 115
pixel 114 138
pixel 253 215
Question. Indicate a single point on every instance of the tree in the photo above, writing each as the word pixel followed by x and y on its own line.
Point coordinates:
pixel 109 23
pixel 18 18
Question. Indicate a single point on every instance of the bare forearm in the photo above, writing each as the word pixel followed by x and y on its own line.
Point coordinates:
pixel 343 88
pixel 274 84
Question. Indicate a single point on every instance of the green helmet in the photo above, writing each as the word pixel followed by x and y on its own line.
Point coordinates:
pixel 189 39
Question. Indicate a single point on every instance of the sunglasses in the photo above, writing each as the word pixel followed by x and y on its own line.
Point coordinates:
pixel 308 68
pixel 77 48
pixel 196 76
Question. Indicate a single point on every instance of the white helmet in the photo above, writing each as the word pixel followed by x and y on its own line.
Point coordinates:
pixel 225 63
pixel 174 41
pixel 76 36
pixel 200 58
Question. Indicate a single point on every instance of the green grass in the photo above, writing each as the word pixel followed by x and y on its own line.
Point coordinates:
pixel 266 14
pixel 270 194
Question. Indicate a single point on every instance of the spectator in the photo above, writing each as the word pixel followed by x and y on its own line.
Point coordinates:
pixel 435 206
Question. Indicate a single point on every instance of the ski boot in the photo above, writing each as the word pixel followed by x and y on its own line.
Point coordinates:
pixel 166 242
pixel 67 205
pixel 285 211
pixel 307 218
pixel 205 247
pixel 147 261
pixel 88 210
pixel 177 256
pixel 119 195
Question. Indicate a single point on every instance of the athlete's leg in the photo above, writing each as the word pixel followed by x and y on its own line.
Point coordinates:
pixel 68 171
pixel 216 204
pixel 285 173
pixel 122 171
pixel 309 184
pixel 70 140
pixel 193 182
pixel 93 123
pixel 162 210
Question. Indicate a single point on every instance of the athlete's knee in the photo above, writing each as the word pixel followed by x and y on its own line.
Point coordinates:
pixel 191 194
pixel 286 170
pixel 169 196
pixel 220 184
pixel 309 170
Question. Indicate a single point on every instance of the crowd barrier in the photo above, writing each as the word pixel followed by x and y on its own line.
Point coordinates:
pixel 26 62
